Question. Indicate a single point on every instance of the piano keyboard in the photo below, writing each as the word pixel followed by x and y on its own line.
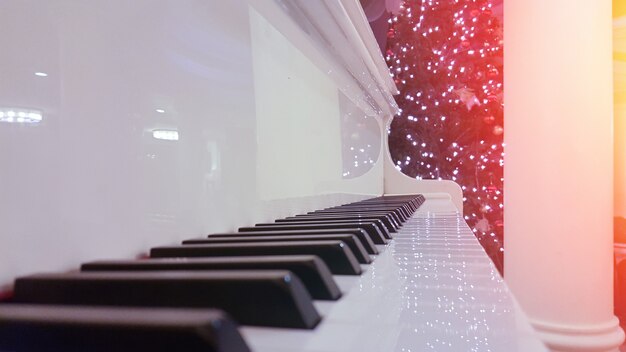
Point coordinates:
pixel 394 273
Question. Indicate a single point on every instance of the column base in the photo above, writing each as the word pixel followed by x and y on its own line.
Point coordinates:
pixel 605 337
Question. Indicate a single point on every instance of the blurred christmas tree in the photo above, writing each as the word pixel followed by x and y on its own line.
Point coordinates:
pixel 446 59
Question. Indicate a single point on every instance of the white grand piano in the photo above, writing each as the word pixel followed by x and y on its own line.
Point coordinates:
pixel 131 125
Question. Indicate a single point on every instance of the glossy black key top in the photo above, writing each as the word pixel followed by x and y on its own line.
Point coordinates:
pixel 336 254
pixel 411 204
pixel 395 206
pixel 362 224
pixel 389 225
pixel 381 204
pixel 365 239
pixel 353 243
pixel 372 230
pixel 311 270
pixel 44 328
pixel 404 215
pixel 347 212
pixel 256 297
pixel 385 217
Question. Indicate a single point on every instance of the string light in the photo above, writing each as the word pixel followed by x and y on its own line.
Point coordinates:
pixel 451 49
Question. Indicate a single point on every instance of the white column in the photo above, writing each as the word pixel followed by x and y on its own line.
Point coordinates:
pixel 619 76
pixel 559 170
pixel 620 151
pixel 619 157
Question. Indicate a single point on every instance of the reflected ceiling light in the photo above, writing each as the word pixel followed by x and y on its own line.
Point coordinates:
pixel 18 115
pixel 41 74
pixel 166 135
pixel 160 111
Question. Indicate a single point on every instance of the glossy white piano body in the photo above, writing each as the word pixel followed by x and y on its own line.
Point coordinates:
pixel 125 125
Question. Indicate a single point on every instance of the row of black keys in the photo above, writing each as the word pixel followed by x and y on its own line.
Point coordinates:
pixel 263 275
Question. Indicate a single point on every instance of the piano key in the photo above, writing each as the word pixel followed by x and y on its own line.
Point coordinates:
pixel 395 221
pixel 372 230
pixel 44 328
pixel 311 270
pixel 415 200
pixel 365 239
pixel 253 297
pixel 348 211
pixel 409 205
pixel 403 210
pixel 353 243
pixel 403 207
pixel 379 203
pixel 398 217
pixel 336 254
pixel 389 224
pixel 382 203
pixel 400 211
pixel 375 223
pixel 377 214
pixel 406 209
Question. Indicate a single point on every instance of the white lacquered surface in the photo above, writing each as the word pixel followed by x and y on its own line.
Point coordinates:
pixel 154 121
pixel 432 288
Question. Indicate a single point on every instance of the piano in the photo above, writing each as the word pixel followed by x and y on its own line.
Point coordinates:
pixel 214 176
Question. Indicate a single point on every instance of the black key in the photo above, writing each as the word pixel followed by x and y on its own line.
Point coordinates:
pixel 353 243
pixel 411 203
pixel 365 239
pixel 311 270
pixel 336 254
pixel 407 208
pixel 43 328
pixel 358 223
pixel 402 207
pixel 414 200
pixel 410 206
pixel 398 210
pixel 372 230
pixel 253 297
pixel 386 217
pixel 389 225
pixel 348 212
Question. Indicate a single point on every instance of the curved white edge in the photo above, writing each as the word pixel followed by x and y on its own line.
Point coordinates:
pixel 366 46
pixel 601 337
pixel 398 183
pixel 376 58
pixel 341 36
pixel 371 180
